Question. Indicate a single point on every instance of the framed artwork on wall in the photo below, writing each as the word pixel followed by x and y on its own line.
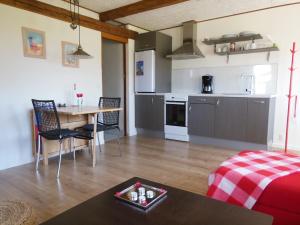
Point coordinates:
pixel 34 43
pixel 67 59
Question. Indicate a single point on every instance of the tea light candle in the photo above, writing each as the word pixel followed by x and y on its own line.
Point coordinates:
pixel 133 196
pixel 141 191
pixel 142 199
pixel 150 194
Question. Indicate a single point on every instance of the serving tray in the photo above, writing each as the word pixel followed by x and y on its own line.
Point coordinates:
pixel 125 195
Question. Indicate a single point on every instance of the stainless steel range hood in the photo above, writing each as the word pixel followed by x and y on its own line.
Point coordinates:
pixel 189 49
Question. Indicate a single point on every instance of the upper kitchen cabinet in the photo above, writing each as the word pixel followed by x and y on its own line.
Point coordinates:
pixel 152 68
pixel 146 41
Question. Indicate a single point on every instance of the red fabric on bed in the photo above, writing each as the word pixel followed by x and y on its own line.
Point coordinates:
pixel 281 199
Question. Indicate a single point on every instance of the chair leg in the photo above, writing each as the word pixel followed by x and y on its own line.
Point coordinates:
pixel 89 146
pixel 38 154
pixel 118 140
pixel 59 161
pixel 73 147
pixel 99 141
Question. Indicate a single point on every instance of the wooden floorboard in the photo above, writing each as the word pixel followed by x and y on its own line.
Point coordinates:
pixel 182 165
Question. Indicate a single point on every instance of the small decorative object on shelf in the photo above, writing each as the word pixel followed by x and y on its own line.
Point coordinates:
pixel 232 47
pixel 230 39
pixel 141 195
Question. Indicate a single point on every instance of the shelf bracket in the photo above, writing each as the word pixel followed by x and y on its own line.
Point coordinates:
pixel 268 56
pixel 227 58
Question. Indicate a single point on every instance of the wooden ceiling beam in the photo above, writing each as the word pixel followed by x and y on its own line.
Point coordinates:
pixel 64 15
pixel 138 7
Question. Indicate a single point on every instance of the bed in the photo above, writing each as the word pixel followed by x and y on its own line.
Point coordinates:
pixel 271 180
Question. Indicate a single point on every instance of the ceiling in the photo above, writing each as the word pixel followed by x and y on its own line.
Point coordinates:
pixel 176 14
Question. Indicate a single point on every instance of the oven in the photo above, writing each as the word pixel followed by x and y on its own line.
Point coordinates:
pixel 176 114
pixel 176 117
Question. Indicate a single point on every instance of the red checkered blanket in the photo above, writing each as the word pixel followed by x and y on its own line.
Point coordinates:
pixel 242 178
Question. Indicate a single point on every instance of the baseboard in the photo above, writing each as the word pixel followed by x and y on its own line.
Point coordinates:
pixel 277 146
pixel 237 145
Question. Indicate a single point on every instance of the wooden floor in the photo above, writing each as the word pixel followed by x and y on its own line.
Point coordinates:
pixel 177 164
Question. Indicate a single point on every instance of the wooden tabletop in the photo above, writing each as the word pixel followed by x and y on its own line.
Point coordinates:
pixel 81 110
pixel 178 208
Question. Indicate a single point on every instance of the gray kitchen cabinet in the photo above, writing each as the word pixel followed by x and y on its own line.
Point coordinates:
pixel 230 117
pixel 260 120
pixel 146 41
pixel 158 114
pixel 142 111
pixel 149 112
pixel 201 116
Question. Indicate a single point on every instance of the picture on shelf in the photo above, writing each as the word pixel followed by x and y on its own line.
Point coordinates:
pixel 69 60
pixel 34 44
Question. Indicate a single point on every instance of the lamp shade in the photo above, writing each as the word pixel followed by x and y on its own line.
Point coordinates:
pixel 81 54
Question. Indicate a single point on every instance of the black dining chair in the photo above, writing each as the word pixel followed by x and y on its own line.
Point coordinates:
pixel 106 120
pixel 48 125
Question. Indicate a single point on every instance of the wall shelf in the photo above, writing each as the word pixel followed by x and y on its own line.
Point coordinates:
pixel 232 39
pixel 249 51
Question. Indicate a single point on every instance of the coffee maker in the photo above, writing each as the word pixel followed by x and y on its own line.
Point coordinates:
pixel 207 84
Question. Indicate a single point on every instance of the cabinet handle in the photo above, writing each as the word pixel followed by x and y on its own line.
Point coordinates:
pixel 190 108
pixel 203 99
pixel 260 102
pixel 218 102
pixel 152 100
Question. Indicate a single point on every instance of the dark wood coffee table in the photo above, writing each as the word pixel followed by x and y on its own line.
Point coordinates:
pixel 178 208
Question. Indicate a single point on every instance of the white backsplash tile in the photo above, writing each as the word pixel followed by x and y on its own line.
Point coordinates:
pixel 228 79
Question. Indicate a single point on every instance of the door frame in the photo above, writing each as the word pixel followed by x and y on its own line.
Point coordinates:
pixel 123 41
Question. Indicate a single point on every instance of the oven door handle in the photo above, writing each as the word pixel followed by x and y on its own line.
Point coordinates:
pixel 175 103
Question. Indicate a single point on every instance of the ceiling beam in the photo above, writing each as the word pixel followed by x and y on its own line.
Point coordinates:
pixel 64 15
pixel 138 7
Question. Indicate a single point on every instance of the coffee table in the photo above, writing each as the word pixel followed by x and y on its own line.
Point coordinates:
pixel 178 208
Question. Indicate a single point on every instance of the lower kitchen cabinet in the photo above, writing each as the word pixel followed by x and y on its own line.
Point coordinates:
pixel 201 116
pixel 230 117
pixel 260 120
pixel 149 112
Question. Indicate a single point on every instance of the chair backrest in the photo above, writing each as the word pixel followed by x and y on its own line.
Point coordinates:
pixel 109 118
pixel 46 115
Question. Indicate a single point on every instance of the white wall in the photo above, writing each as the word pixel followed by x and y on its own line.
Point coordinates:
pixel 282 25
pixel 24 78
pixel 131 130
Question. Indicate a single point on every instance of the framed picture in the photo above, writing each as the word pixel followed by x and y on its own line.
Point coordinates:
pixel 34 44
pixel 140 68
pixel 67 59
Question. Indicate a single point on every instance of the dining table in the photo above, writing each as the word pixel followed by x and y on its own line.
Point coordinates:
pixel 92 112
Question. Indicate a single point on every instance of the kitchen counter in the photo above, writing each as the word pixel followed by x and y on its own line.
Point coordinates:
pixel 235 95
pixel 215 95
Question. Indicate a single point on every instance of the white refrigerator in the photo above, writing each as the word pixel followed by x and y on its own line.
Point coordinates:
pixel 145 71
